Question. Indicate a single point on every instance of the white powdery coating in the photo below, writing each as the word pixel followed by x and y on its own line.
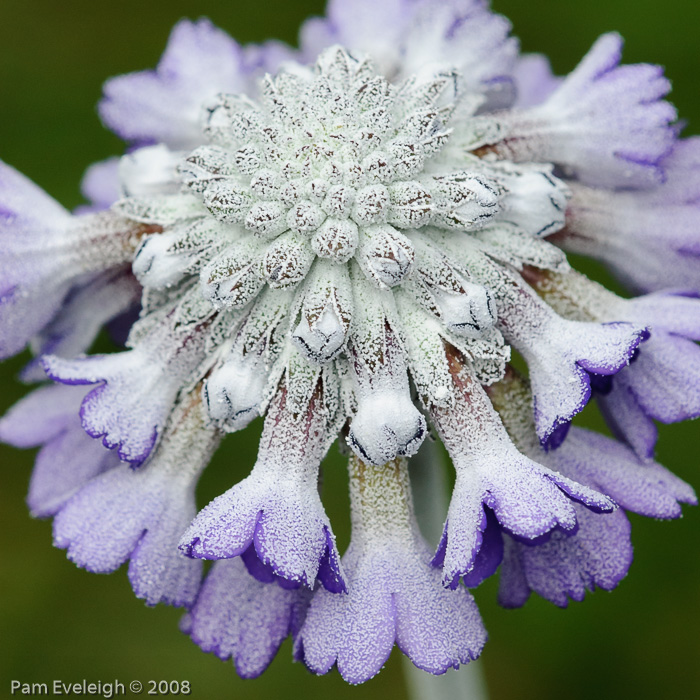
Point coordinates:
pixel 386 423
pixel 277 507
pixel 527 498
pixel 138 388
pixel 235 391
pixel 149 170
pixel 335 231
pixel 326 313
pixel 328 167
pixel 605 125
pixel 559 352
pixel 140 515
pixel 394 595
pixel 464 307
pixel 45 253
pixel 337 159
pixel 164 259
pixel 238 616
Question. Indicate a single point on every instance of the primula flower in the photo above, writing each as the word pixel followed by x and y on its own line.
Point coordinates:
pixel 347 240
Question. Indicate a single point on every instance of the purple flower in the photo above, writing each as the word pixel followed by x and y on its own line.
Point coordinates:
pixel 605 125
pixel 139 516
pixel 277 507
pixel 609 466
pixel 636 397
pixel 564 567
pixel 598 553
pixel 236 616
pixel 394 595
pixel 662 381
pixel 562 355
pixel 527 499
pixel 68 459
pixel 349 241
pixel 650 239
pixel 138 388
pixel 164 105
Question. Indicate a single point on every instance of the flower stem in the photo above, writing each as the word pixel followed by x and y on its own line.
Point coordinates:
pixel 468 683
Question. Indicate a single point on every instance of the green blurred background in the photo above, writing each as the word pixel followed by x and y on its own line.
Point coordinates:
pixel 58 622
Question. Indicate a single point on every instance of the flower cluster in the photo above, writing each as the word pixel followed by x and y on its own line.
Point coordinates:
pixel 348 240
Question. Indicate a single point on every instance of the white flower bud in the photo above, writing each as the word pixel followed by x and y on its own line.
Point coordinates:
pixel 234 391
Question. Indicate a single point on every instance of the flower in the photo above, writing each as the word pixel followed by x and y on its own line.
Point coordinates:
pixel 348 240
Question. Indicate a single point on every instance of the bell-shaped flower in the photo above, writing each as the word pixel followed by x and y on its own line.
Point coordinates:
pixel 394 595
pixel 527 498
pixel 599 553
pixel 138 388
pixel 139 515
pixel 561 354
pixel 663 382
pixel 635 397
pixel 277 507
pixel 46 252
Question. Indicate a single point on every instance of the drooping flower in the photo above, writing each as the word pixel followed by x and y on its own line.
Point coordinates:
pixel 662 383
pixel 139 515
pixel 394 595
pixel 599 553
pixel 349 245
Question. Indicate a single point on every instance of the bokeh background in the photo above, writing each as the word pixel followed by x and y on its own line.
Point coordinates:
pixel 59 622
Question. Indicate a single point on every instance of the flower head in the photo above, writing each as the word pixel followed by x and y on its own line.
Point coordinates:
pixel 348 240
